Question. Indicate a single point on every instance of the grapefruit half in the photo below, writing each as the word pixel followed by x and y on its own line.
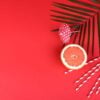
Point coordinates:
pixel 73 56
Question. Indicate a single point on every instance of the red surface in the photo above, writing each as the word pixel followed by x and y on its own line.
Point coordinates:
pixel 30 67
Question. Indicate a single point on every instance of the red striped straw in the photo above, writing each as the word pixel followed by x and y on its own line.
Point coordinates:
pixel 94 88
pixel 88 77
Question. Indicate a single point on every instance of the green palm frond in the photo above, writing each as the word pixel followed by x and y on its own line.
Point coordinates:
pixel 96 1
pixel 93 30
pixel 66 18
pixel 83 34
pixel 70 15
pixel 55 30
pixel 88 42
pixel 65 7
pixel 62 21
pixel 81 29
pixel 84 14
pixel 85 4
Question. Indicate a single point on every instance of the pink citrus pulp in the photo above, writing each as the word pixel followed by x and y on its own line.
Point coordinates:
pixel 73 56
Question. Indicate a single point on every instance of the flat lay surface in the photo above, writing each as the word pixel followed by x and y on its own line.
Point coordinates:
pixel 30 66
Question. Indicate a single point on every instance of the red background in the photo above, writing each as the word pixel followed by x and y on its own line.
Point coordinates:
pixel 30 67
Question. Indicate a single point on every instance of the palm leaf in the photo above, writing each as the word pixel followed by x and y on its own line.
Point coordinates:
pixel 65 18
pixel 81 28
pixel 93 30
pixel 88 42
pixel 75 7
pixel 70 9
pixel 84 34
pixel 95 1
pixel 85 4
pixel 98 18
pixel 62 21
pixel 55 30
pixel 70 15
pixel 98 23
pixel 84 15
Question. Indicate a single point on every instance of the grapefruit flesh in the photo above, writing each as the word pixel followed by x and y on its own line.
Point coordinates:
pixel 73 56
